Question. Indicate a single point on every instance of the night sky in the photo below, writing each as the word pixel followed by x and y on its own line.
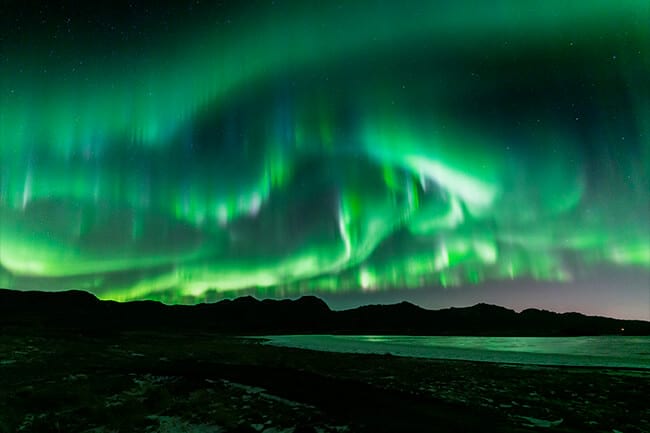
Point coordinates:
pixel 445 152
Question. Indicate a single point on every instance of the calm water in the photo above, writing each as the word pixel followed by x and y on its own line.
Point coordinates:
pixel 611 351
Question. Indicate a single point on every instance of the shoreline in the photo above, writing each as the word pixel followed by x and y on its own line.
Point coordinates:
pixel 409 346
pixel 209 383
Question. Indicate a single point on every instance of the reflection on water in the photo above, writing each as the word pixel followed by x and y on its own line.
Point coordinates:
pixel 611 351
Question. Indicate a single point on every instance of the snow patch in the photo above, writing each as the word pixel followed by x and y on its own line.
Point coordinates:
pixel 536 422
pixel 172 424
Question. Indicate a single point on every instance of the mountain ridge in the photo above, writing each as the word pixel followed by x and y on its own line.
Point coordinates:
pixel 84 312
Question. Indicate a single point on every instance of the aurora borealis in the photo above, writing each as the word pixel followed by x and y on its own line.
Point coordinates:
pixel 192 151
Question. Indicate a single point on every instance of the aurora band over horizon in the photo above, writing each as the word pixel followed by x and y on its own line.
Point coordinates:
pixel 373 146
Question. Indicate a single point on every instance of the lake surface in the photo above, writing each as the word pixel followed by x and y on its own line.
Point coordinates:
pixel 605 351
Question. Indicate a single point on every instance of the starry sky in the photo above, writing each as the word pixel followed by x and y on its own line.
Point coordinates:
pixel 445 152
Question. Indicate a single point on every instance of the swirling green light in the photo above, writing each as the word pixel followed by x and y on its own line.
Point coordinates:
pixel 365 148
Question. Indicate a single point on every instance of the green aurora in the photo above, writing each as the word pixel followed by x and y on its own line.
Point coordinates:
pixel 286 148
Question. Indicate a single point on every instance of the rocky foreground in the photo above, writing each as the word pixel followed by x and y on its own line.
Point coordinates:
pixel 193 382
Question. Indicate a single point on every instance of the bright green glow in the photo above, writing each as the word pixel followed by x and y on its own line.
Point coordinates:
pixel 638 254
pixel 132 106
pixel 375 146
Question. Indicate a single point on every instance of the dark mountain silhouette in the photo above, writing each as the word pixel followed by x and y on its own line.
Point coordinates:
pixel 83 312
